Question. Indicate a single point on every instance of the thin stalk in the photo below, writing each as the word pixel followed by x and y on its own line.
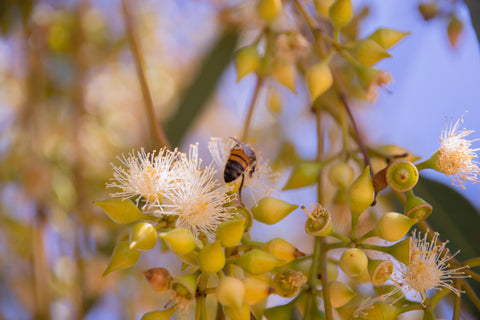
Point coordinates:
pixel 138 59
pixel 312 278
pixel 437 297
pixel 474 262
pixel 335 245
pixel 367 235
pixel 253 102
pixel 220 315
pixel 200 307
pixel 470 293
pixel 457 303
pixel 339 237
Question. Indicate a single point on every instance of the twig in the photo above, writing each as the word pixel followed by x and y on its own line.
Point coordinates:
pixel 253 102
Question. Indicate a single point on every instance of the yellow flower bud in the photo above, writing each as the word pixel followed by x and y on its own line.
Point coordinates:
pixel 257 261
pixel 319 79
pixel 393 226
pixel 284 72
pixel 242 313
pixel 122 257
pixel 340 293
pixel 231 292
pixel 428 10
pixel 304 174
pixel 380 271
pixel 275 103
pixel 287 283
pixel 229 233
pixel 271 210
pixel 341 12
pixel 247 214
pixel 282 250
pixel 246 60
pixel 158 278
pixel 417 208
pixel 160 314
pixel 269 9
pixel 189 258
pixel 361 193
pixel 370 78
pixel 341 175
pixel 121 211
pixel 256 290
pixel 322 7
pixel 400 250
pixel 180 240
pixel 368 53
pixel 143 236
pixel 402 175
pixel 353 262
pixel 211 259
pixel 454 31
pixel 387 38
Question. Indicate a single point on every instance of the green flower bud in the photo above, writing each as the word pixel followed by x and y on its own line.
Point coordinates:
pixel 180 240
pixel 387 38
pixel 341 12
pixel 454 31
pixel 275 103
pixel 282 250
pixel 341 175
pixel 122 257
pixel 231 292
pixel 185 287
pixel 393 226
pixel 143 236
pixel 380 271
pixel 281 312
pixel 189 258
pixel 340 293
pixel 322 7
pixel 304 174
pixel 242 313
pixel 428 10
pixel 158 278
pixel 417 208
pixel 246 60
pixel 257 261
pixel 319 223
pixel 271 210
pixel 353 262
pixel 160 314
pixel 284 72
pixel 368 53
pixel 319 79
pixel 256 290
pixel 287 283
pixel 229 233
pixel 269 9
pixel 361 193
pixel 382 310
pixel 402 175
pixel 211 259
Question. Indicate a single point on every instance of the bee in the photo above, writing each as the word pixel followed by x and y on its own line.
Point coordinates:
pixel 241 160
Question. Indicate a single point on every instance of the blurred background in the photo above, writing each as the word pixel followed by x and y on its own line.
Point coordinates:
pixel 70 102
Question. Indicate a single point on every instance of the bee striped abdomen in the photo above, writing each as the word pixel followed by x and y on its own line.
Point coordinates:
pixel 236 165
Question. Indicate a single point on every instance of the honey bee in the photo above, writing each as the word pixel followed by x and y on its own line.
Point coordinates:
pixel 242 159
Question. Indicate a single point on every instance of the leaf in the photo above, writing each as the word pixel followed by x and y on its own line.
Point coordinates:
pixel 202 86
pixel 121 211
pixel 474 8
pixel 122 257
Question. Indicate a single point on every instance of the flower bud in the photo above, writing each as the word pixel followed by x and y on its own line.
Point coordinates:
pixel 242 313
pixel 185 287
pixel 256 290
pixel 428 10
pixel 387 38
pixel 143 236
pixel 231 292
pixel 402 175
pixel 160 314
pixel 246 60
pixel 304 174
pixel 380 271
pixel 122 257
pixel 341 175
pixel 323 6
pixel 370 77
pixel 393 226
pixel 454 31
pixel 353 262
pixel 340 293
pixel 280 312
pixel 287 283
pixel 257 261
pixel 368 53
pixel 400 251
pixel 282 250
pixel 269 9
pixel 271 210
pixel 158 278
pixel 319 79
pixel 284 72
pixel 180 240
pixel 319 223
pixel 275 103
pixel 211 259
pixel 229 233
pixel 189 258
pixel 121 211
pixel 361 193
pixel 341 12
pixel 247 214
pixel 382 310
pixel 417 208
pixel 332 271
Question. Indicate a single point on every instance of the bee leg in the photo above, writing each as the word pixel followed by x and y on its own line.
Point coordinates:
pixel 240 189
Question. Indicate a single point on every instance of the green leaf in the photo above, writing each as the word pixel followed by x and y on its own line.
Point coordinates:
pixel 474 8
pixel 122 257
pixel 121 211
pixel 202 86
pixel 304 174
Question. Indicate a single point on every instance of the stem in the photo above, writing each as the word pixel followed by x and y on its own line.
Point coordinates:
pixel 200 307
pixel 138 59
pixel 470 293
pixel 339 237
pixel 336 245
pixel 367 235
pixel 474 262
pixel 312 277
pixel 220 315
pixel 248 119
pixel 353 234
pixel 457 304
pixel 435 299
pixel 324 279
